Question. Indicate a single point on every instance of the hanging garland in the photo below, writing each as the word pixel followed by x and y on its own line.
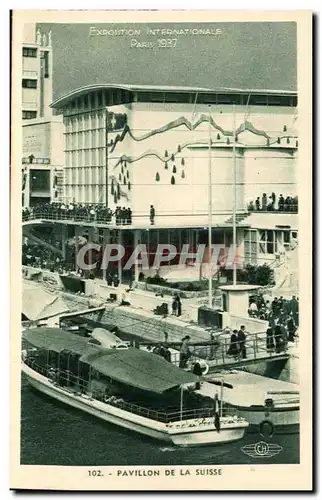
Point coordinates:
pixel 166 165
pixel 182 161
pixel 172 157
pixel 157 177
pixel 173 181
pixel 174 169
pixel 179 148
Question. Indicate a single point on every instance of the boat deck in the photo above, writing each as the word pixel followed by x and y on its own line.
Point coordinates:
pixel 248 389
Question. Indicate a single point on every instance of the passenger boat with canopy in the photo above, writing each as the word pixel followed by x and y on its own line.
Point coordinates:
pixel 126 386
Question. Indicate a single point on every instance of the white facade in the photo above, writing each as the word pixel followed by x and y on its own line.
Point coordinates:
pixel 136 147
pixel 36 80
pixel 43 133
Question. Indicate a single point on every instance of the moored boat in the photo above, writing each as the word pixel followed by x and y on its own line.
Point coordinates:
pixel 125 386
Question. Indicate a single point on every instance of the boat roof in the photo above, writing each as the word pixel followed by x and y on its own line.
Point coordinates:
pixel 136 368
pixel 55 339
pixel 140 369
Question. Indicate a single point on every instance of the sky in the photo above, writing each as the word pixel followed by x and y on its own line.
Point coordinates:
pixel 243 55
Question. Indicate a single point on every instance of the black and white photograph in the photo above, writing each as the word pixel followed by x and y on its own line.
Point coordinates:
pixel 163 207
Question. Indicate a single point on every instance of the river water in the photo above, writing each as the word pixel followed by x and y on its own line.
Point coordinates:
pixel 56 434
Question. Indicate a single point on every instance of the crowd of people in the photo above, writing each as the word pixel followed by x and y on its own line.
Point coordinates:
pixel 271 203
pixel 43 258
pixel 79 212
pixel 283 319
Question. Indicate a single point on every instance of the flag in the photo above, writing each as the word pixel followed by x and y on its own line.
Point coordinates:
pixel 115 121
pixel 217 417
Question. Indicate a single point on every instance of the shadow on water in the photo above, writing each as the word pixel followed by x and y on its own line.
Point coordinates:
pixel 53 433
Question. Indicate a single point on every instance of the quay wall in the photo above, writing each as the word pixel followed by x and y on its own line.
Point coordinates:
pixel 140 323
pixel 286 370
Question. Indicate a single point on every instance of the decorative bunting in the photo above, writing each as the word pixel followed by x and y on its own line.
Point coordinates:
pixel 182 161
pixel 218 137
pixel 179 148
pixel 183 175
pixel 173 181
pixel 157 177
pixel 166 165
pixel 278 140
pixel 129 186
pixel 166 154
pixel 284 128
pixel 124 180
pixel 172 157
pixel 288 140
pixel 174 169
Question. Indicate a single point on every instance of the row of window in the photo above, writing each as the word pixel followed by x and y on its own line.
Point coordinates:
pixel 218 99
pixel 85 176
pixel 29 115
pixel 86 121
pixel 88 139
pixel 39 161
pixel 84 158
pixel 29 52
pixel 266 241
pixel 85 194
pixel 99 99
pixel 29 83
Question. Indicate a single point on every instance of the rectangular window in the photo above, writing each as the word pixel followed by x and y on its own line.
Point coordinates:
pixel 28 83
pixel 176 97
pixel 29 52
pixel 28 115
pixel 39 180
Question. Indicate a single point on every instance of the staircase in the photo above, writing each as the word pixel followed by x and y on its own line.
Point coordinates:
pixel 239 218
pixel 40 241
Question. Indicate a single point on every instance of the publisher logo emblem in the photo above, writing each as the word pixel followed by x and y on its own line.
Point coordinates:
pixel 261 450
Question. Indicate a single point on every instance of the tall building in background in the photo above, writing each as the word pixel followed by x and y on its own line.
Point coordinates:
pixel 43 156
pixel 37 74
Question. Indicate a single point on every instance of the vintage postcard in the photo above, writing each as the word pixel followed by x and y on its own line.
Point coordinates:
pixel 161 251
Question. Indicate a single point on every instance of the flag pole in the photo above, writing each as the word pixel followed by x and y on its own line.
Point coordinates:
pixel 234 198
pixel 221 396
pixel 209 215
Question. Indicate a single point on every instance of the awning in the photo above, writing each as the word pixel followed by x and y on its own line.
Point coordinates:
pixel 139 369
pixel 55 339
pixel 39 304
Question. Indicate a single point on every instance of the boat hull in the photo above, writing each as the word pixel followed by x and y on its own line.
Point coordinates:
pixel 180 435
pixel 285 420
